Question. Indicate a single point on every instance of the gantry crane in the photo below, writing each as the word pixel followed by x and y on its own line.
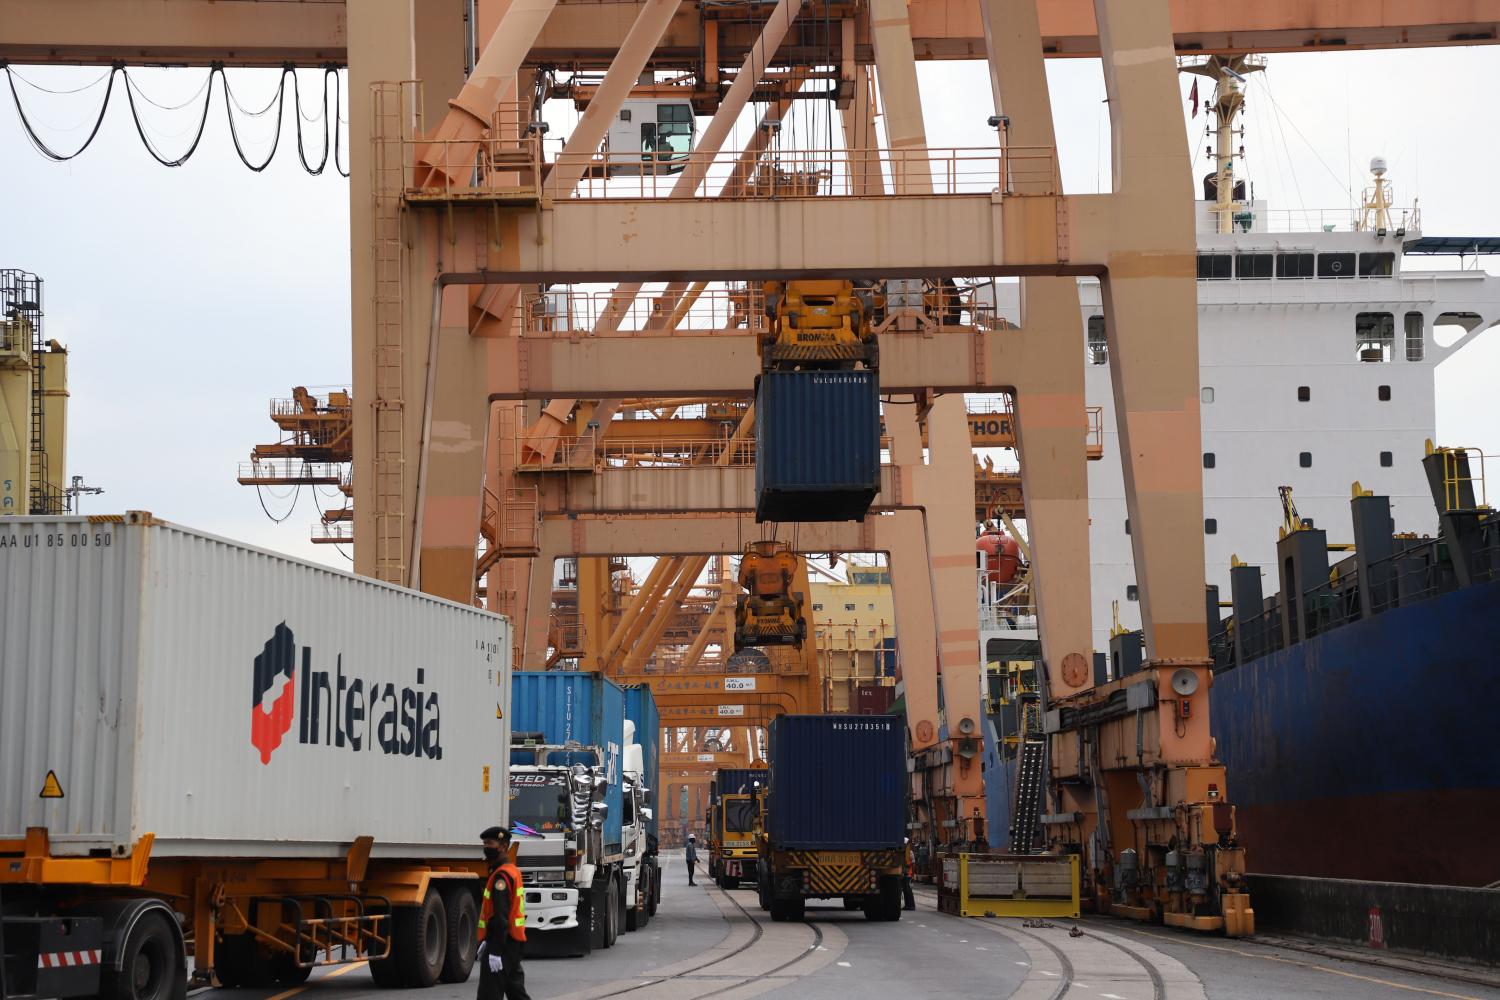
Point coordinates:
pixel 449 222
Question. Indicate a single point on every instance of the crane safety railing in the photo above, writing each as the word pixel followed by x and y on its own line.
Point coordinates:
pixel 336 402
pixel 292 472
pixel 569 312
pixel 585 452
pixel 810 173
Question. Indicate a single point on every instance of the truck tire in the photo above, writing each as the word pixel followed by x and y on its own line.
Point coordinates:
pixel 238 963
pixel 463 933
pixel 611 914
pixel 384 973
pixel 287 971
pixel 421 941
pixel 583 934
pixel 731 883
pixel 655 890
pixel 598 918
pixel 150 963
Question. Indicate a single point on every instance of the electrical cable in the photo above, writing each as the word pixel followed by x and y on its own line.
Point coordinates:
pixel 273 517
pixel 205 92
pixel 36 140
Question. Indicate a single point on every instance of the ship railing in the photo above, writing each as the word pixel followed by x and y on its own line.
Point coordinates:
pixel 1317 220
pixel 1262 634
pixel 1329 605
pixel 1408 577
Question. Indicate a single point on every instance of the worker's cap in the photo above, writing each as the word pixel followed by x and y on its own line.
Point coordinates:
pixel 499 833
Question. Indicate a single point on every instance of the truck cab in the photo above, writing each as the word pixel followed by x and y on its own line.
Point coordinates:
pixel 639 859
pixel 563 793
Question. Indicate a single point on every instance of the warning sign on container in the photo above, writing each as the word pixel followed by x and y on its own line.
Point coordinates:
pixel 52 788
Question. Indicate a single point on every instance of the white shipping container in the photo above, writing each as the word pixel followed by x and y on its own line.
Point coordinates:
pixel 238 703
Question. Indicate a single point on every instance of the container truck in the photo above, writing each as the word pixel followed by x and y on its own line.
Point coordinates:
pixel 643 878
pixel 152 812
pixel 736 794
pixel 835 814
pixel 570 758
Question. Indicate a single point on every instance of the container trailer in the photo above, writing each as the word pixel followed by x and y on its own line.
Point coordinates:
pixel 576 778
pixel 643 891
pixel 835 815
pixel 218 753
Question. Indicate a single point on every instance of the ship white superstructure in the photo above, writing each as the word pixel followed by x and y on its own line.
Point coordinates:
pixel 1319 339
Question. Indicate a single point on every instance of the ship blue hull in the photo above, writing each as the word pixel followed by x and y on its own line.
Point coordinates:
pixel 1372 751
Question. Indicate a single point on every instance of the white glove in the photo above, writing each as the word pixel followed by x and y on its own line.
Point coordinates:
pixel 495 964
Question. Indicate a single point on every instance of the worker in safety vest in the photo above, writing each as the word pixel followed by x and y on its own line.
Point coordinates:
pixel 502 922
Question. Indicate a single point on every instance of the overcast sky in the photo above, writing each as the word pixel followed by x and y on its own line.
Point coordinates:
pixel 190 297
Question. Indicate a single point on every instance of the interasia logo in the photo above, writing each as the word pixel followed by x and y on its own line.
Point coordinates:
pixel 336 710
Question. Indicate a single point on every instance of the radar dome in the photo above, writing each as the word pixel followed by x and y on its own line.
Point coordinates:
pixel 1377 166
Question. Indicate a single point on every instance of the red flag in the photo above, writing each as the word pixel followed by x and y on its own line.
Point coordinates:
pixel 1193 98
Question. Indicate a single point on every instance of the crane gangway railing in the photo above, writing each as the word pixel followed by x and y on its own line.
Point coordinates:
pixel 809 173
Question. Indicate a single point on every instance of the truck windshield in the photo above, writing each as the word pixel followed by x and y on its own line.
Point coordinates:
pixel 739 815
pixel 540 801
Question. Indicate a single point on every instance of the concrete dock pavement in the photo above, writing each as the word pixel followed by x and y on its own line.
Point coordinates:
pixel 708 943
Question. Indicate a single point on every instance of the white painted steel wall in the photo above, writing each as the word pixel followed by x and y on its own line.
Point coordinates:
pixel 128 665
pixel 1259 341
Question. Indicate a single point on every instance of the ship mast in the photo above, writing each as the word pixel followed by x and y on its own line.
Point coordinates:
pixel 1228 74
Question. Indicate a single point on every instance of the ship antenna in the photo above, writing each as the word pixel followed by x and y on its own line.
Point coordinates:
pixel 1229 74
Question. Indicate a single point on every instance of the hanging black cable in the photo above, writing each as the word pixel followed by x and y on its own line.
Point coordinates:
pixel 36 140
pixel 234 132
pixel 132 90
pixel 141 130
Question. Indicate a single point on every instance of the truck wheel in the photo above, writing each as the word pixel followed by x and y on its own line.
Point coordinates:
pixel 150 963
pixel 384 973
pixel 238 963
pixel 463 933
pixel 421 941
pixel 583 934
pixel 796 910
pixel 611 914
pixel 286 971
pixel 598 919
pixel 655 890
pixel 731 883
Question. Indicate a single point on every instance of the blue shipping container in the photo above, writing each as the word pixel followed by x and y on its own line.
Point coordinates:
pixel 586 707
pixel 640 708
pixel 817 445
pixel 838 782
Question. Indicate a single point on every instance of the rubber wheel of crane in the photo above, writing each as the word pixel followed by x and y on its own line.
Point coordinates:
pixel 421 940
pixel 463 933
pixel 150 963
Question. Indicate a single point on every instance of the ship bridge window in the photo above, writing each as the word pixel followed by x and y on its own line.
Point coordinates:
pixel 1215 266
pixel 1254 265
pixel 1335 265
pixel 1374 335
pixel 1415 345
pixel 1377 265
pixel 1098 345
pixel 1132 593
pixel 1295 265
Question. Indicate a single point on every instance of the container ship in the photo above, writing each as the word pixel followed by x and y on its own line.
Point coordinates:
pixel 1359 700
pixel 1320 333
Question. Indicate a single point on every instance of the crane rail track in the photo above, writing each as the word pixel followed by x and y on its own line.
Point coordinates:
pixel 1065 983
pixel 754 938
